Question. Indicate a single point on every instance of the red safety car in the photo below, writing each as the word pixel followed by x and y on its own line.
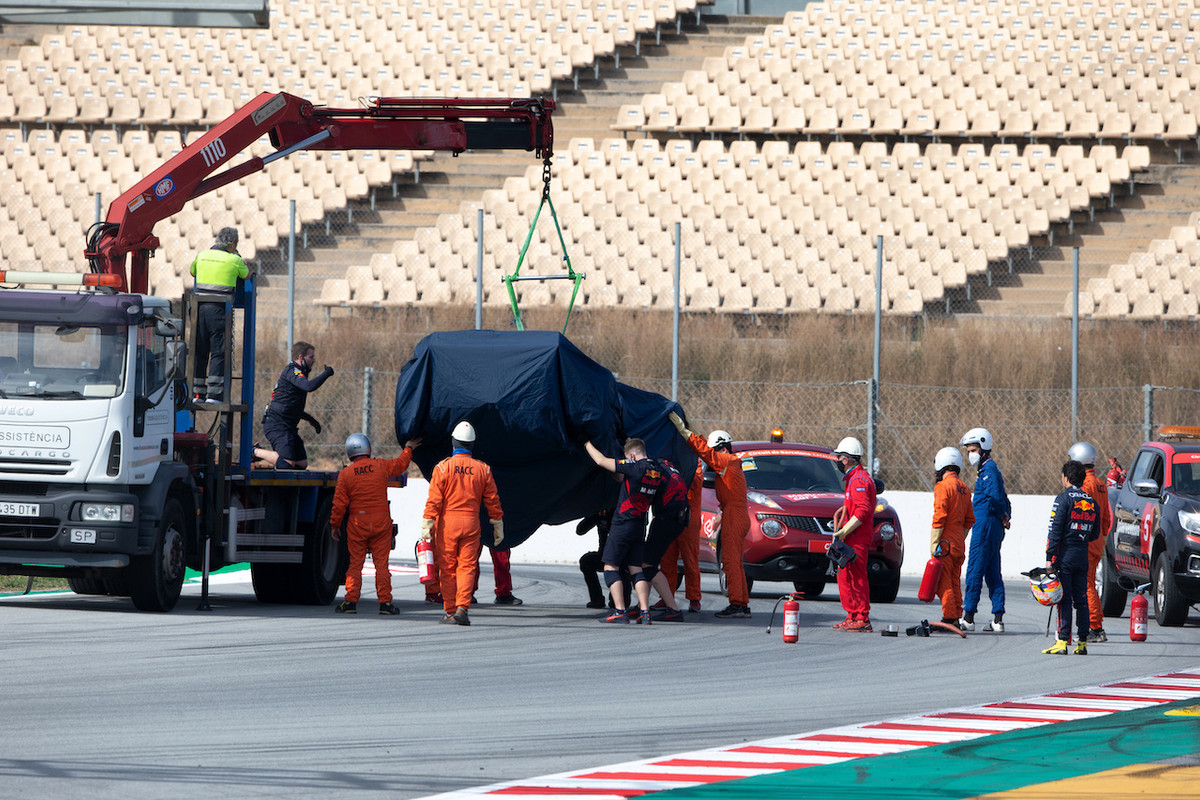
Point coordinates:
pixel 792 492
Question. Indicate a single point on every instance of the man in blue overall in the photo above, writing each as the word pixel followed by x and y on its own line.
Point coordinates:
pixel 992 516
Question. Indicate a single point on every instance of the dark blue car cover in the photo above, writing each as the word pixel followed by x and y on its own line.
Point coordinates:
pixel 533 398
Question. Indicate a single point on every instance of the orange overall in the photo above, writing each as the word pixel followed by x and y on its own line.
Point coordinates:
pixel 456 488
pixel 953 516
pixel 360 500
pixel 1099 492
pixel 687 545
pixel 735 518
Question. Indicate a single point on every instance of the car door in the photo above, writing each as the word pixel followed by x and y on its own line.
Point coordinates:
pixel 1135 514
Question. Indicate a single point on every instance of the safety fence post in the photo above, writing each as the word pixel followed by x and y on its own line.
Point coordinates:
pixel 368 385
pixel 1147 412
pixel 872 422
pixel 1075 345
pixel 479 272
pixel 675 322
pixel 291 313
pixel 873 393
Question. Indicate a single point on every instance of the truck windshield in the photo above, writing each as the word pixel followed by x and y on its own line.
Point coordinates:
pixel 61 361
pixel 787 473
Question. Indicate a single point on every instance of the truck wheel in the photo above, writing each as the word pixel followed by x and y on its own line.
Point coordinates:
pixel 1170 609
pixel 270 582
pixel 809 589
pixel 156 580
pixel 323 569
pixel 1112 596
pixel 87 585
pixel 884 582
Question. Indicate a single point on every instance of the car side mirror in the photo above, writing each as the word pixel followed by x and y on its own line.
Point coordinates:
pixel 1145 488
pixel 710 479
pixel 878 486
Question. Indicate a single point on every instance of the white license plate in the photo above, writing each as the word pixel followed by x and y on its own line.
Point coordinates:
pixel 83 536
pixel 20 510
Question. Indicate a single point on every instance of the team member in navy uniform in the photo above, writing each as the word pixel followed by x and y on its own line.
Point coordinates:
pixel 643 478
pixel 283 415
pixel 671 516
pixel 1074 521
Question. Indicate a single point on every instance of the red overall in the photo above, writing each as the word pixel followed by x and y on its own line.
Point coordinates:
pixel 361 500
pixel 853 588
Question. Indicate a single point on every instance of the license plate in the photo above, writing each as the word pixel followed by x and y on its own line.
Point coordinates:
pixel 83 536
pixel 819 547
pixel 20 510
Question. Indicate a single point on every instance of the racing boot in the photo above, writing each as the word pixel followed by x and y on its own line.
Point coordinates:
pixel 1081 648
pixel 1059 648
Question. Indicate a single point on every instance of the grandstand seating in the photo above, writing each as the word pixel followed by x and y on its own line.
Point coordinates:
pixel 977 126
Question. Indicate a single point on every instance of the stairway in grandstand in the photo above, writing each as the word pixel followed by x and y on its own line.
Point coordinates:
pixel 445 181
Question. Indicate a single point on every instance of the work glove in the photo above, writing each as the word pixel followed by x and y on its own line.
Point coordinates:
pixel 497 532
pixel 679 426
pixel 329 369
pixel 316 425
pixel 426 528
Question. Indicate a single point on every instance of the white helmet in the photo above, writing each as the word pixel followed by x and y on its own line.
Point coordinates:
pixel 357 444
pixel 979 436
pixel 1083 452
pixel 947 457
pixel 719 439
pixel 849 447
pixel 463 432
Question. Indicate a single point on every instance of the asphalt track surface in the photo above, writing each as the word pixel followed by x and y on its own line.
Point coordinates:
pixel 250 700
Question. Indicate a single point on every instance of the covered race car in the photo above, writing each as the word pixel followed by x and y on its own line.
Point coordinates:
pixel 533 398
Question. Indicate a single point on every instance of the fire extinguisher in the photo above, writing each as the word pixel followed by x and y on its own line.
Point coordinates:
pixel 933 573
pixel 425 561
pixel 1138 612
pixel 791 617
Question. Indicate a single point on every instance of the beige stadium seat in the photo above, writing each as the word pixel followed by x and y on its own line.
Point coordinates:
pixel 839 301
pixel 369 293
pixel 1147 307
pixel 1182 306
pixel 334 292
pixel 909 303
pixel 1086 305
pixel 630 118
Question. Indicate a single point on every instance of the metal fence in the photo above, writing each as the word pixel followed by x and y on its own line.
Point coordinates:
pixel 1032 427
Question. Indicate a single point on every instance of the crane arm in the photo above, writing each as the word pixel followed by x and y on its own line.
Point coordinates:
pixel 292 124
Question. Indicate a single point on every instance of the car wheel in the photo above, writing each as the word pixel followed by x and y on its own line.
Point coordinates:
pixel 749 585
pixel 1170 609
pixel 809 589
pixel 884 582
pixel 1112 596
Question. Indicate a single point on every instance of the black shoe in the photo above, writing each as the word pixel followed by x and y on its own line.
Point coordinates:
pixel 346 607
pixel 509 600
pixel 733 611
pixel 388 609
pixel 461 618
pixel 596 604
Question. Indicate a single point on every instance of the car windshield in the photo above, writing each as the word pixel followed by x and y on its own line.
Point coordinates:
pixel 790 473
pixel 1185 477
pixel 59 361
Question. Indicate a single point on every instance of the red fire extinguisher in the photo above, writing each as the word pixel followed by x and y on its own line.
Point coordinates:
pixel 425 561
pixel 1138 612
pixel 791 617
pixel 933 574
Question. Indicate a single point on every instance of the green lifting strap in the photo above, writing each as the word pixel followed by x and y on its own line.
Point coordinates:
pixel 570 274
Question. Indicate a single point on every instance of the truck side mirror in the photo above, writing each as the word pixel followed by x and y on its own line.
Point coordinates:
pixel 1145 488
pixel 168 327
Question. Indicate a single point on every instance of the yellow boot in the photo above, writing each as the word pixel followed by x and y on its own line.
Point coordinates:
pixel 1081 648
pixel 1059 648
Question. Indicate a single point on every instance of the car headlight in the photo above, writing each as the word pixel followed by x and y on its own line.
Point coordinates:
pixel 762 500
pixel 772 528
pixel 887 531
pixel 107 512
pixel 1190 521
pixel 881 505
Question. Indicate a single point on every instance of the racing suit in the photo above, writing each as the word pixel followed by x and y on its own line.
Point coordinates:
pixel 952 517
pixel 859 501
pixel 456 488
pixel 671 515
pixel 687 546
pixel 360 500
pixel 1073 524
pixel 735 517
pixel 992 509
pixel 216 272
pixel 1099 493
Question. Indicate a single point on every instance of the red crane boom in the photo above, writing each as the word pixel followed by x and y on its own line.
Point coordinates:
pixel 292 123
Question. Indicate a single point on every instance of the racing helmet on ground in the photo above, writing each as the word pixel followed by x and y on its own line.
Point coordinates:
pixel 979 436
pixel 464 432
pixel 1083 452
pixel 357 444
pixel 719 438
pixel 947 457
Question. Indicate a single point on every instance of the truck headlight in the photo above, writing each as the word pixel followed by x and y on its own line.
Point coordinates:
pixel 771 528
pixel 1190 521
pixel 107 512
pixel 887 531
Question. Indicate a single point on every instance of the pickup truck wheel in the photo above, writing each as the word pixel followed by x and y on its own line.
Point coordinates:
pixel 1170 609
pixel 1112 596
pixel 155 580
pixel 809 589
